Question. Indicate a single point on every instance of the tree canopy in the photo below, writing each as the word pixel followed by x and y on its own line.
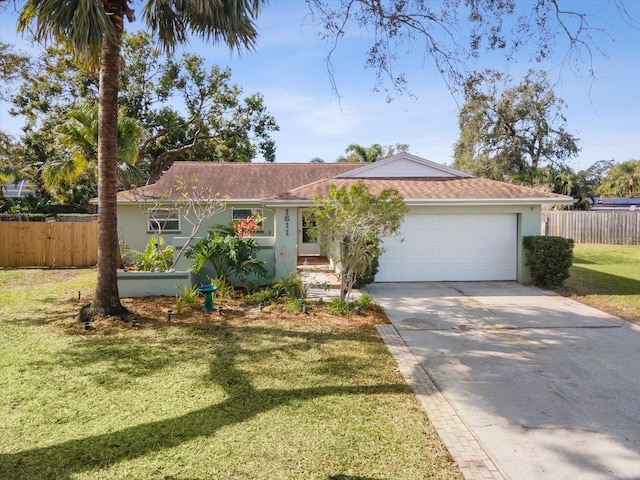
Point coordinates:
pixel 451 34
pixel 357 153
pixel 185 112
pixel 509 132
pixel 351 222
pixel 622 180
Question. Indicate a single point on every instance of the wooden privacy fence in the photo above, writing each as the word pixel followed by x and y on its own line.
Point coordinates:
pixel 48 244
pixel 622 228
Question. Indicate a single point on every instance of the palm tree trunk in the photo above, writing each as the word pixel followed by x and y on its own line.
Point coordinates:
pixel 106 301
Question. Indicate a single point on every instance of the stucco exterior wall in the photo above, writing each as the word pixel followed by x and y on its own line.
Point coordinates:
pixel 132 226
pixel 286 241
pixel 279 241
pixel 143 284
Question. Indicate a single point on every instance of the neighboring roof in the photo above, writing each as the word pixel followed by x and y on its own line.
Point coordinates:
pixel 624 203
pixel 417 180
pixel 18 189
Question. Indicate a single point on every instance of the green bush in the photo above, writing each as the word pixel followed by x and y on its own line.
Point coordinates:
pixel 225 289
pixel 228 255
pixel 291 285
pixel 549 259
pixel 188 297
pixel 366 302
pixel 266 296
pixel 294 305
pixel 155 255
pixel 128 255
pixel 23 217
pixel 366 270
pixel 338 307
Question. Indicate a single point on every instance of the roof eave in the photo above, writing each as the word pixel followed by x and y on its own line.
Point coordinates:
pixel 129 201
pixel 489 201
pixel 300 202
pixel 288 203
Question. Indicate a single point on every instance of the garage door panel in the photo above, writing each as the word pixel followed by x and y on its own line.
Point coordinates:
pixel 460 247
pixel 448 236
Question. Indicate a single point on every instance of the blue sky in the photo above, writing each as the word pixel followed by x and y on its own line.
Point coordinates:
pixel 289 69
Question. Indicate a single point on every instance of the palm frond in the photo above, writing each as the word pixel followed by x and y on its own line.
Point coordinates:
pixel 66 170
pixel 129 134
pixel 80 131
pixel 133 174
pixel 228 21
pixel 79 24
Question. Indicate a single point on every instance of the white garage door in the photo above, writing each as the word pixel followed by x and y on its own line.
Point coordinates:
pixel 452 248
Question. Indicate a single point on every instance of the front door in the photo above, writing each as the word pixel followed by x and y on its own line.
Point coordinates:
pixel 305 245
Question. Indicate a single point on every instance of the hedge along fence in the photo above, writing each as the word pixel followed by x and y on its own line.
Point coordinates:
pixel 48 244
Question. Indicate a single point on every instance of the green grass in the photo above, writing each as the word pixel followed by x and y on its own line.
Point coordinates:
pixel 607 277
pixel 207 401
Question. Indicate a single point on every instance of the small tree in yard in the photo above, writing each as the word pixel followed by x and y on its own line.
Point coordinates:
pixel 350 224
pixel 196 203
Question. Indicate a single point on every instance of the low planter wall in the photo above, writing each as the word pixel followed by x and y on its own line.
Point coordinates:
pixel 145 284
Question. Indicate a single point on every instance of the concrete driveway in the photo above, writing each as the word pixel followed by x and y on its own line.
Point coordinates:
pixel 550 388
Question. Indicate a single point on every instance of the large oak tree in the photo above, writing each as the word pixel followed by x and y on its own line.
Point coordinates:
pixel 450 35
pixel 509 132
pixel 186 113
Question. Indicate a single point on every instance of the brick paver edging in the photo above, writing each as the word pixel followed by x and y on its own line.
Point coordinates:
pixel 473 461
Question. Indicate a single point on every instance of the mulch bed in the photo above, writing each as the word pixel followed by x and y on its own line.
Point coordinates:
pixel 153 312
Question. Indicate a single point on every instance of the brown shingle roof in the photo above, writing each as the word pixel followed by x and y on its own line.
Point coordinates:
pixel 432 188
pixel 301 181
pixel 244 180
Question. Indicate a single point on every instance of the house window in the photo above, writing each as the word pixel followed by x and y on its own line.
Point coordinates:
pixel 163 220
pixel 243 213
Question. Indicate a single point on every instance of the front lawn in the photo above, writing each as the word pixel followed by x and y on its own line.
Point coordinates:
pixel 606 277
pixel 230 397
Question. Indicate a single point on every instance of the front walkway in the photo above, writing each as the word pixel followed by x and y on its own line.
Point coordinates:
pixel 319 279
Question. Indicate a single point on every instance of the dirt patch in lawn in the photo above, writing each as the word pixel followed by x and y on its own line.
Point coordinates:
pixel 160 311
pixel 618 305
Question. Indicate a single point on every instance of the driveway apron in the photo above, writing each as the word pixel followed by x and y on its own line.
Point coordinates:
pixel 549 387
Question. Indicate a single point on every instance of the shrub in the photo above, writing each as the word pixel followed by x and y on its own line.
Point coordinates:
pixel 154 255
pixel 128 255
pixel 335 306
pixel 22 217
pixel 294 305
pixel 291 285
pixel 265 296
pixel 228 255
pixel 549 259
pixel 366 301
pixel 225 289
pixel 370 268
pixel 188 297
